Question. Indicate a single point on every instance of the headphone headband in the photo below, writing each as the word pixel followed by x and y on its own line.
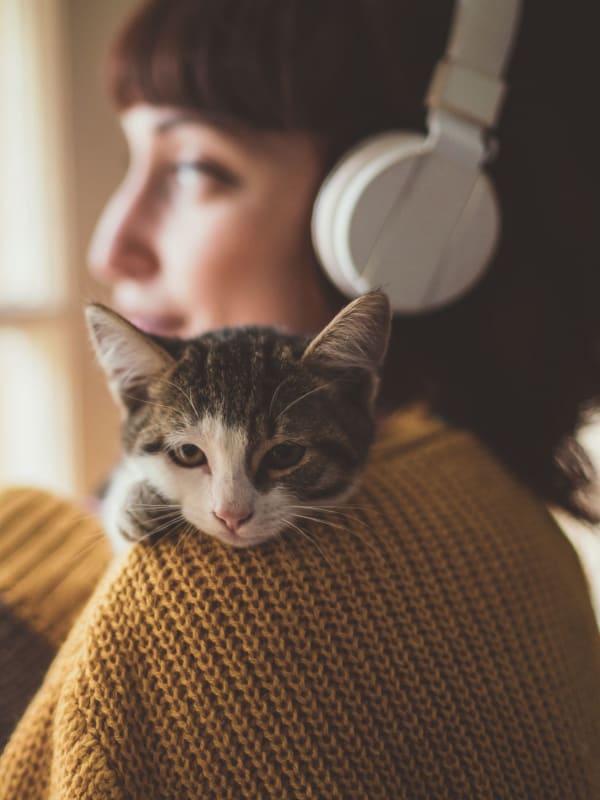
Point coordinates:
pixel 482 34
pixel 466 82
pixel 413 214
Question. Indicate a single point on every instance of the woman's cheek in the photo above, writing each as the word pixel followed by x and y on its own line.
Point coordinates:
pixel 208 258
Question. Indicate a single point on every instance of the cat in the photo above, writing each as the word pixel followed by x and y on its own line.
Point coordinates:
pixel 235 432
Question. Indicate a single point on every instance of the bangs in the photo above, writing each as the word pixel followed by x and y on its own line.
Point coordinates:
pixel 271 64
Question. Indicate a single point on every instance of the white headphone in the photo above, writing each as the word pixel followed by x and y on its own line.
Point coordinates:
pixel 415 215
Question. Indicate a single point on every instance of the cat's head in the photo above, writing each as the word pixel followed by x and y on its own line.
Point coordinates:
pixel 246 430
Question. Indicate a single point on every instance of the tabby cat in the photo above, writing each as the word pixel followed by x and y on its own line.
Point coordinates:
pixel 235 432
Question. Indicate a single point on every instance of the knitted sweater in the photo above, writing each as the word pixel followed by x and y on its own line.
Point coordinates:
pixel 436 641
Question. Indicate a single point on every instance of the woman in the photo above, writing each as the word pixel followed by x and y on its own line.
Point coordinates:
pixel 448 647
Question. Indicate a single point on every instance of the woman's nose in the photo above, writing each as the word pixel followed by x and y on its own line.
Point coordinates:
pixel 122 246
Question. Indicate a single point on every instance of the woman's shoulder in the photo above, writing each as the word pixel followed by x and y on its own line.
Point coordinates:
pixel 440 612
pixel 461 527
pixel 424 625
pixel 431 473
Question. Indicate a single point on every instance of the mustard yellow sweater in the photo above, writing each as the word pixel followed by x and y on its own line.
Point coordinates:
pixel 437 641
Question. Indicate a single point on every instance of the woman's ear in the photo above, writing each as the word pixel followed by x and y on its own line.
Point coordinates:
pixel 129 357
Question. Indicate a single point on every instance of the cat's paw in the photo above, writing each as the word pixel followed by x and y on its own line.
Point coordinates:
pixel 133 511
pixel 146 513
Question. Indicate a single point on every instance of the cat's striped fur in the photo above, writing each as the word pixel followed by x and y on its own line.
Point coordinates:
pixel 235 432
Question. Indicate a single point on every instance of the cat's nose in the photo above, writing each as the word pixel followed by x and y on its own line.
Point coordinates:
pixel 233 521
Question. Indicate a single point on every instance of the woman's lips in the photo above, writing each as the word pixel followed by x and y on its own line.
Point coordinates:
pixel 159 326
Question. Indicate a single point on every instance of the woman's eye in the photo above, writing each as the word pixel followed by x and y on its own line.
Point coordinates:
pixel 189 174
pixel 188 455
pixel 283 456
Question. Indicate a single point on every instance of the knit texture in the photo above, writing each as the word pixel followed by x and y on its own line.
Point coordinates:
pixel 51 555
pixel 435 641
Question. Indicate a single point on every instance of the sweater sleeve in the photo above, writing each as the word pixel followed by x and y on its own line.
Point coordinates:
pixel 82 768
pixel 51 555
pixel 54 752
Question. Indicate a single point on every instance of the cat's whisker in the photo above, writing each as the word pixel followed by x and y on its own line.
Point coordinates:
pixel 184 534
pixel 194 409
pixel 175 519
pixel 87 516
pixel 181 537
pixel 302 396
pixel 341 511
pixel 340 508
pixel 167 528
pixel 187 396
pixel 163 515
pixel 303 533
pixel 321 521
pixel 153 506
pixel 343 528
pixel 321 511
pixel 274 395
pixel 349 518
pixel 87 547
pixel 176 528
pixel 152 527
pixel 153 403
pixel 168 523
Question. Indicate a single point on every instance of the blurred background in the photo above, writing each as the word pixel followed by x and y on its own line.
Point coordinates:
pixel 61 156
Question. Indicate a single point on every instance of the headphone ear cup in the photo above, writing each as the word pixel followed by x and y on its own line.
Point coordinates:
pixel 341 191
pixel 401 215
pixel 466 255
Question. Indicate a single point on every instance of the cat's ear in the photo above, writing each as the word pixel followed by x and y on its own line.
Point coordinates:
pixel 130 358
pixel 357 337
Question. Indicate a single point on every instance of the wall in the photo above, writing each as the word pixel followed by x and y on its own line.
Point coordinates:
pixel 99 158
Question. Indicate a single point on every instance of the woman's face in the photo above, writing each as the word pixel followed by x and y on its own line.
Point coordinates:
pixel 211 227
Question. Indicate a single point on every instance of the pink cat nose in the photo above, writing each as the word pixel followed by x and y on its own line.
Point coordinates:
pixel 233 521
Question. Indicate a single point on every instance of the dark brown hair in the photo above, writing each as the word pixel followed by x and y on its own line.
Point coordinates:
pixel 517 360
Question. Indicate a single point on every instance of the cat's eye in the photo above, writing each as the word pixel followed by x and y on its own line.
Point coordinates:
pixel 188 455
pixel 284 456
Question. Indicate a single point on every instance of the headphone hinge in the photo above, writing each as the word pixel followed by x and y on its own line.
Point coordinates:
pixel 456 139
pixel 466 93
